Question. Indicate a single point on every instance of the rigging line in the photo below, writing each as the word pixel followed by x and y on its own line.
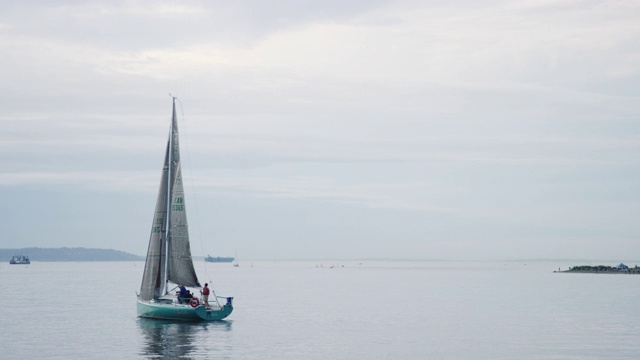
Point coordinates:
pixel 214 294
pixel 193 190
pixel 170 165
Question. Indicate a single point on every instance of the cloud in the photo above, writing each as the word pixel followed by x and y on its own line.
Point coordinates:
pixel 462 114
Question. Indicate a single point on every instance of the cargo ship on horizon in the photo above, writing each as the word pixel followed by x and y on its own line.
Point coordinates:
pixel 218 259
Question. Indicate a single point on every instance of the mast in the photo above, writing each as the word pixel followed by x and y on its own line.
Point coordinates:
pixel 169 199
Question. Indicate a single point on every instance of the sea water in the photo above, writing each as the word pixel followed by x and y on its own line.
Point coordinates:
pixel 327 310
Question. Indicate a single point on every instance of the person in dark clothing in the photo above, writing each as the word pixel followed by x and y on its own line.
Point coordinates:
pixel 182 294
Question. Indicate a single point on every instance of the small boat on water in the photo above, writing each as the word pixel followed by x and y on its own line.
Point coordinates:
pixel 218 259
pixel 20 260
pixel 235 263
pixel 169 265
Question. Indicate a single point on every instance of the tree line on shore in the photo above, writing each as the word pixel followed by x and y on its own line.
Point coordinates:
pixel 603 268
pixel 69 254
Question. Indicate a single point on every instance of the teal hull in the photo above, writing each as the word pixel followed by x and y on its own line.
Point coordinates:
pixel 182 312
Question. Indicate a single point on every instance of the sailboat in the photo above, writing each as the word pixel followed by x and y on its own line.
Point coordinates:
pixel 169 265
pixel 235 263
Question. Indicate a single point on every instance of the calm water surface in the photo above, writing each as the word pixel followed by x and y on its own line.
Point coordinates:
pixel 355 310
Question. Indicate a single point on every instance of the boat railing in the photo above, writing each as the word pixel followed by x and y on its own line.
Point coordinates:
pixel 229 300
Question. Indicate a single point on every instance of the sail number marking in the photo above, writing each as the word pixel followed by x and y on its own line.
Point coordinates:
pixel 178 205
pixel 157 225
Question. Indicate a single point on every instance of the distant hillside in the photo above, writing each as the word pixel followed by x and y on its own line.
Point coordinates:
pixel 68 254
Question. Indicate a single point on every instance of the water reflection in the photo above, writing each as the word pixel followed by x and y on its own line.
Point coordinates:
pixel 163 339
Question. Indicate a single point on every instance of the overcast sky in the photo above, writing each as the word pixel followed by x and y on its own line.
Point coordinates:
pixel 326 129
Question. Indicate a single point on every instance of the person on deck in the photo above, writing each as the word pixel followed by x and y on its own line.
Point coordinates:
pixel 182 294
pixel 205 294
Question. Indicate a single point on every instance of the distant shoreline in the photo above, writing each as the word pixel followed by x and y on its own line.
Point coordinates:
pixel 630 272
pixel 621 269
pixel 37 254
